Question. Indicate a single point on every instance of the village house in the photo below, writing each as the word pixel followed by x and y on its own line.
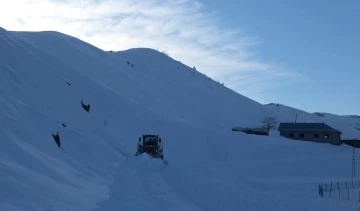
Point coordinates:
pixel 316 132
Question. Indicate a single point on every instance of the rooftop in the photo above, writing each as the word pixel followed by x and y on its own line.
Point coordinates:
pixel 307 127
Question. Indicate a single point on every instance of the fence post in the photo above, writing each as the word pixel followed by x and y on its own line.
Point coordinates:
pixel 330 192
pixel 321 191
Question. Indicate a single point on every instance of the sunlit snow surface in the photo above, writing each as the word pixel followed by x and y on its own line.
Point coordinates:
pixel 44 76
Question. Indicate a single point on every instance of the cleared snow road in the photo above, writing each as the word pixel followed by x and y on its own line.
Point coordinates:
pixel 140 185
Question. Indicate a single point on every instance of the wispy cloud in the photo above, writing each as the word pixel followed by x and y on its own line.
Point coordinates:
pixel 183 28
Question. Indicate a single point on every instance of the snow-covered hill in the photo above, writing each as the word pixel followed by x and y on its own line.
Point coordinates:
pixel 355 119
pixel 347 125
pixel 44 77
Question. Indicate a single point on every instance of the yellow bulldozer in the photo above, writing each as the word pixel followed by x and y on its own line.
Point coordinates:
pixel 150 144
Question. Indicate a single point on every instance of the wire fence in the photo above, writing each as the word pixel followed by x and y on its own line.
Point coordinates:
pixel 348 190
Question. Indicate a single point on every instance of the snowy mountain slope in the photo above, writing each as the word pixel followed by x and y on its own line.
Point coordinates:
pixel 347 126
pixel 341 120
pixel 355 119
pixel 211 167
pixel 149 79
pixel 33 98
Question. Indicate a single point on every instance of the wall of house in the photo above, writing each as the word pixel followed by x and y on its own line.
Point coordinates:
pixel 333 138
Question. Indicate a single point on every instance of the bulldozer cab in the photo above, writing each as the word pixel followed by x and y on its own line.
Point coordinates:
pixel 150 140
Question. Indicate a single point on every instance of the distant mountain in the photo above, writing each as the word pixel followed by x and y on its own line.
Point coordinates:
pixel 355 119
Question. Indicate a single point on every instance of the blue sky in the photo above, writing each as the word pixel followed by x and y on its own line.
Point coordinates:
pixel 320 39
pixel 299 53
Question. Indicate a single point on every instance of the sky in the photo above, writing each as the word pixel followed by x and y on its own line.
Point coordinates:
pixel 299 53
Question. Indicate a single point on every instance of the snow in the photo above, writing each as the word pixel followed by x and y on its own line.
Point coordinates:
pixel 210 167
pixel 348 126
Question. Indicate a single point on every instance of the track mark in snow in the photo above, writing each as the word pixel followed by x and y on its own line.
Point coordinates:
pixel 139 185
pixel 161 192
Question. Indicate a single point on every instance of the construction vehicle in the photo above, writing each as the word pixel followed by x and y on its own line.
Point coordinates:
pixel 150 144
